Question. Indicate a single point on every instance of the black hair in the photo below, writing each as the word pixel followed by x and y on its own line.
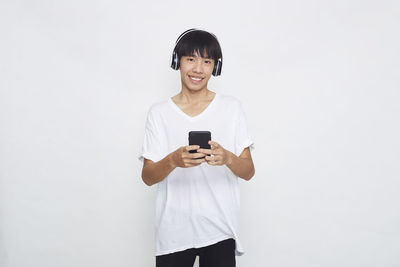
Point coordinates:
pixel 202 42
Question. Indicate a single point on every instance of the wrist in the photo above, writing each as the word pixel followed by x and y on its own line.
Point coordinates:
pixel 171 160
pixel 230 158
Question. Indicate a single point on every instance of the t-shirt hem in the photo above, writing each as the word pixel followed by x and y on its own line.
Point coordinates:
pixel 248 143
pixel 200 245
pixel 149 156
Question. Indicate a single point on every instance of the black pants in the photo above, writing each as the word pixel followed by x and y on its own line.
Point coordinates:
pixel 221 254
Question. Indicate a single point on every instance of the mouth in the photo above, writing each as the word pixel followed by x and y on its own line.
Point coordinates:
pixel 195 79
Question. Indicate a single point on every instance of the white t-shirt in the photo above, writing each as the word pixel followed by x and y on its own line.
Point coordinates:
pixel 196 206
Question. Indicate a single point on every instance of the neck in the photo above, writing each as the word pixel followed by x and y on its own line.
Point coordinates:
pixel 193 96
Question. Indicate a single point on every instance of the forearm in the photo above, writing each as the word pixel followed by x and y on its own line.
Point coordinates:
pixel 241 167
pixel 156 172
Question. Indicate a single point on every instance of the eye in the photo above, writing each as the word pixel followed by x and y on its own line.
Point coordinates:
pixel 208 61
pixel 190 59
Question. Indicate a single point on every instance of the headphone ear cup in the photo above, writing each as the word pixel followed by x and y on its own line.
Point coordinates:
pixel 175 61
pixel 178 62
pixel 217 68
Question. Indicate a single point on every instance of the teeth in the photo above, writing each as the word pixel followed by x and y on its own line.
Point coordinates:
pixel 196 79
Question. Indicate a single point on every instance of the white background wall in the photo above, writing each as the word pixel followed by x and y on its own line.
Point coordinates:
pixel 319 81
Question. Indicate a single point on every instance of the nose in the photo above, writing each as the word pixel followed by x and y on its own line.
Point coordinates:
pixel 198 66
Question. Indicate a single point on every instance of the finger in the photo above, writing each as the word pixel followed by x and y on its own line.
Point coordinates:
pixel 191 147
pixel 212 162
pixel 204 150
pixel 195 161
pixel 209 158
pixel 213 158
pixel 195 155
pixel 218 151
pixel 213 144
pixel 198 161
pixel 208 151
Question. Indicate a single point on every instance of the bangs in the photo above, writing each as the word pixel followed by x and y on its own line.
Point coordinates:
pixel 200 42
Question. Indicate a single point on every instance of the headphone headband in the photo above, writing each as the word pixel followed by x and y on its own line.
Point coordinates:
pixel 183 34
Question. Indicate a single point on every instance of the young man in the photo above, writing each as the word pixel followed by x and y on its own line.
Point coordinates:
pixel 197 200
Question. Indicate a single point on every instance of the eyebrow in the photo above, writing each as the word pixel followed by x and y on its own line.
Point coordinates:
pixel 193 55
pixel 197 54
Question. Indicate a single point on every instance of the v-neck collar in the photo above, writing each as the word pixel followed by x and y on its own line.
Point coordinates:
pixel 205 111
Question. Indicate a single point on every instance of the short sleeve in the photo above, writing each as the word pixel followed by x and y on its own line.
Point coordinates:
pixel 152 148
pixel 243 137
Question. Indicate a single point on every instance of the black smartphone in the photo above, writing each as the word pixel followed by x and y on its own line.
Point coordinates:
pixel 199 138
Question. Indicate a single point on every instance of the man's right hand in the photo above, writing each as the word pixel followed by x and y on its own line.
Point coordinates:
pixel 184 159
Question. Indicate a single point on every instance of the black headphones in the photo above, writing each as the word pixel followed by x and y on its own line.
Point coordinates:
pixel 176 59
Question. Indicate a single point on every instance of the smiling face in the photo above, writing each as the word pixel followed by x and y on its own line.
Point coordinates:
pixel 195 71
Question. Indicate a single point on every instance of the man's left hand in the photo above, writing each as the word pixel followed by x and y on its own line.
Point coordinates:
pixel 218 155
